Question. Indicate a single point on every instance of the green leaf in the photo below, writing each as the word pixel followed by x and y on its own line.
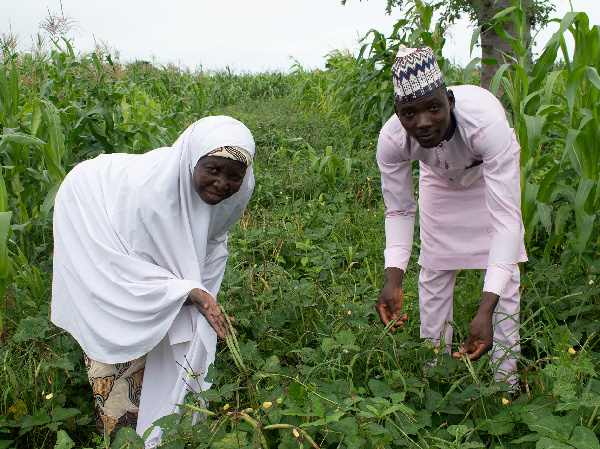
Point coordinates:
pixel 550 81
pixel 272 365
pixel 233 440
pixel 574 156
pixel 573 85
pixel 375 429
pixel 380 389
pixel 298 393
pixel 585 231
pixel 346 426
pixel 504 13
pixel 549 443
pixel 544 214
pixel 127 438
pixel 547 185
pixel 500 424
pixel 5 232
pixel 32 328
pixel 534 132
pixel 469 69
pixel 592 75
pixel 555 427
pixel 39 418
pixel 584 438
pixel 5 444
pixel 345 337
pixel 498 77
pixel 474 39
pixel 62 414
pixel 329 344
pixel 63 441
pixel 48 203
pixel 432 399
pixel 323 421
pixel 583 192
pixel 3 194
pixel 22 139
pixel 167 423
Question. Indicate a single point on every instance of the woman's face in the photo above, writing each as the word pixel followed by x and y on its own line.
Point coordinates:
pixel 217 178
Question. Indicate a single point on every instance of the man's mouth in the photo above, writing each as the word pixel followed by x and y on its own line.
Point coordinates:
pixel 427 136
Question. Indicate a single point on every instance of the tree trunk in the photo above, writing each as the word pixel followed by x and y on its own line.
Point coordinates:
pixel 492 46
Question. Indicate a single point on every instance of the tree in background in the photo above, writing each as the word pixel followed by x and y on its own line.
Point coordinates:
pixel 494 49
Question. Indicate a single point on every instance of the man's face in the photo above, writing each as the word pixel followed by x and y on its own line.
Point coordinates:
pixel 428 119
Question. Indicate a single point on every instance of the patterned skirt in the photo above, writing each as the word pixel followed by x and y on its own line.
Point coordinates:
pixel 117 388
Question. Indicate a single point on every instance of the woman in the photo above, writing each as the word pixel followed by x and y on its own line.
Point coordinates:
pixel 140 245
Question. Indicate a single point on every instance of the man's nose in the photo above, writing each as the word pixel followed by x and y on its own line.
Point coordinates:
pixel 424 121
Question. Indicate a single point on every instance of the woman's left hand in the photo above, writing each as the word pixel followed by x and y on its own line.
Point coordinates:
pixel 208 307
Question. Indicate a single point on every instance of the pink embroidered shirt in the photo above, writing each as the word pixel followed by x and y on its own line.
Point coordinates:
pixel 469 192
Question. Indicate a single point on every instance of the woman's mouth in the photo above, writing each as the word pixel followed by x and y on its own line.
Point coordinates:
pixel 215 196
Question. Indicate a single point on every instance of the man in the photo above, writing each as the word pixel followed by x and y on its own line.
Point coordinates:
pixel 469 207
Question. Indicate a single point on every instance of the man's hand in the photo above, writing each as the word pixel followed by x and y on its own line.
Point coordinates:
pixel 391 298
pixel 481 331
pixel 208 307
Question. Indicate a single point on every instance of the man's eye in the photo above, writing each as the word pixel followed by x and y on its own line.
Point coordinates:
pixel 408 114
pixel 237 178
pixel 435 107
pixel 212 170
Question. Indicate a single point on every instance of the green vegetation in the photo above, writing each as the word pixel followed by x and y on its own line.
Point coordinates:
pixel 311 365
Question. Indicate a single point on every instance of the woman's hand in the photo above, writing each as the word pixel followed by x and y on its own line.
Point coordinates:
pixel 481 331
pixel 391 298
pixel 208 307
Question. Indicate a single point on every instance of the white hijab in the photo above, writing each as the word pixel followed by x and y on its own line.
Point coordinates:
pixel 131 238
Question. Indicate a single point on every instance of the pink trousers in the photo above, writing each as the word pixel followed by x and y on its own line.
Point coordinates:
pixel 436 301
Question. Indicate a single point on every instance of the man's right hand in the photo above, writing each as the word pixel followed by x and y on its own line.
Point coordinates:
pixel 391 298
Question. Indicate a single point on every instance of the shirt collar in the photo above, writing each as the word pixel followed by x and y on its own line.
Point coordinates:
pixel 453 128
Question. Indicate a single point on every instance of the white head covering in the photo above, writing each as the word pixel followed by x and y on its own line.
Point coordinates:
pixel 131 239
pixel 415 73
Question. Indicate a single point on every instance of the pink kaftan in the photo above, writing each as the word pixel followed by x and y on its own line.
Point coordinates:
pixel 469 192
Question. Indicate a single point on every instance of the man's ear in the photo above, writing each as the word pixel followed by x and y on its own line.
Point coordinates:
pixel 451 99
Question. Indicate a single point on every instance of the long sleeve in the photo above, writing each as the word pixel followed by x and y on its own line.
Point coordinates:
pixel 503 197
pixel 398 195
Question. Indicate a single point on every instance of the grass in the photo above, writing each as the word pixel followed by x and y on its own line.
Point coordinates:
pixel 305 269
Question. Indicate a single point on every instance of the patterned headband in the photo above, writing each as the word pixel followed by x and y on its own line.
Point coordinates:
pixel 235 153
pixel 415 73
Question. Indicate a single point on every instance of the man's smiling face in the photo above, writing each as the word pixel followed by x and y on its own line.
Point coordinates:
pixel 428 119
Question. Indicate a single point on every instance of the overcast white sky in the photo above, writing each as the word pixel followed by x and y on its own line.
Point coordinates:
pixel 245 35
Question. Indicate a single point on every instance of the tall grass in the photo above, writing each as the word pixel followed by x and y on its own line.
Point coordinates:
pixel 311 364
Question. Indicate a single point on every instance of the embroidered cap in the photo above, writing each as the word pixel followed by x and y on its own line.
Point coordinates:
pixel 235 153
pixel 415 73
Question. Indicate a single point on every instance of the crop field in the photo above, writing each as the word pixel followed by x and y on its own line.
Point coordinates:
pixel 311 365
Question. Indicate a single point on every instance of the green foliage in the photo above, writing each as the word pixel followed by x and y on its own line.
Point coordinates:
pixel 554 111
pixel 311 366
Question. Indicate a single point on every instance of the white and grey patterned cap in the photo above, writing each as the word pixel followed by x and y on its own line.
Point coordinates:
pixel 235 153
pixel 415 73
